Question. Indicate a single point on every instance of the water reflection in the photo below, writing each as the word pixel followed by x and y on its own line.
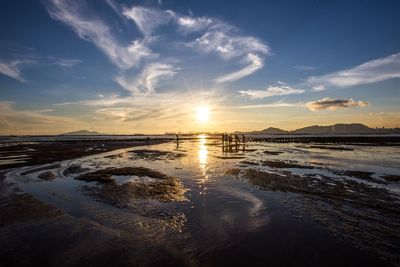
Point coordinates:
pixel 203 152
pixel 203 157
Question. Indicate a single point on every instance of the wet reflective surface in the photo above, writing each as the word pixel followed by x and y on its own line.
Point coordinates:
pixel 221 206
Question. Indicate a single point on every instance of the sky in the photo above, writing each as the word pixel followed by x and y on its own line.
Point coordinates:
pixel 125 67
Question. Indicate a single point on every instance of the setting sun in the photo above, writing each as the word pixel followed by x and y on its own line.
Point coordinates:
pixel 202 114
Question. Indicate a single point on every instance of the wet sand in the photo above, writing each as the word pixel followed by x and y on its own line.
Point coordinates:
pixel 200 205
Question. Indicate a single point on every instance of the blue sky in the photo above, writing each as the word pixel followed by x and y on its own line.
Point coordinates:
pixel 147 66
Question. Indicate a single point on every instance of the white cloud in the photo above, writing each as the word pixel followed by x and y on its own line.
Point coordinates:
pixel 12 68
pixel 255 63
pixel 214 36
pixel 370 72
pixel 148 79
pixel 271 91
pixel 318 88
pixel 97 32
pixel 334 104
pixel 191 24
pixel 147 19
pixel 228 45
pixel 221 40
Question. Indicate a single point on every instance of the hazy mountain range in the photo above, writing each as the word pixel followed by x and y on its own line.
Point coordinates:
pixel 353 128
pixel 83 132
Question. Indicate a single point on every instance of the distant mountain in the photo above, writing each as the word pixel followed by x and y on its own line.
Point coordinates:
pixel 352 128
pixel 83 132
pixel 270 130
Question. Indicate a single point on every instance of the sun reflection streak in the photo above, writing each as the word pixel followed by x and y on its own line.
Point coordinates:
pixel 203 158
pixel 203 152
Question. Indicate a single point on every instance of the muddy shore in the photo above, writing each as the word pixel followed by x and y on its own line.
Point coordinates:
pixel 34 153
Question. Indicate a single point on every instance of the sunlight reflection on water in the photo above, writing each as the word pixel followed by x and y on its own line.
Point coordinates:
pixel 203 156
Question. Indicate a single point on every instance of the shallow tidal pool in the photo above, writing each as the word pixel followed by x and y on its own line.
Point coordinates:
pixel 199 203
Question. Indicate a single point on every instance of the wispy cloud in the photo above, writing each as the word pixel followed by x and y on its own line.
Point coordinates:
pixel 228 45
pixel 318 88
pixel 271 91
pixel 254 63
pixel 11 69
pixel 334 104
pixel 190 24
pixel 147 19
pixel 99 33
pixel 66 62
pixel 148 79
pixel 370 72
pixel 269 105
pixel 213 36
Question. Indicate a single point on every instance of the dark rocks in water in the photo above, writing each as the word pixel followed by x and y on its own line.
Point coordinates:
pixel 123 195
pixel 340 148
pixel 354 210
pixel 162 187
pixel 284 164
pixel 234 172
pixel 391 178
pixel 230 157
pixel 247 162
pixel 249 150
pixel 106 175
pixel 48 167
pixel 362 175
pixel 156 154
pixel 73 169
pixel 324 187
pixel 48 176
pixel 272 153
pixel 54 151
pixel 359 174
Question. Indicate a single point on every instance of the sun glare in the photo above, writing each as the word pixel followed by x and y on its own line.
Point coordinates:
pixel 202 114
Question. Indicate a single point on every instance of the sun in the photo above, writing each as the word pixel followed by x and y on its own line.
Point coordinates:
pixel 202 114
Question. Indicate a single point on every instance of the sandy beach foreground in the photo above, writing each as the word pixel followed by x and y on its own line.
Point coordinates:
pixel 196 203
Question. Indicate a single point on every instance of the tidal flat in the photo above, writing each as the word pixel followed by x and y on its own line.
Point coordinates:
pixel 198 203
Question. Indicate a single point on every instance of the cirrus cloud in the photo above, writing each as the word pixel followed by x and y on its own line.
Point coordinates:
pixel 370 72
pixel 99 33
pixel 148 79
pixel 271 91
